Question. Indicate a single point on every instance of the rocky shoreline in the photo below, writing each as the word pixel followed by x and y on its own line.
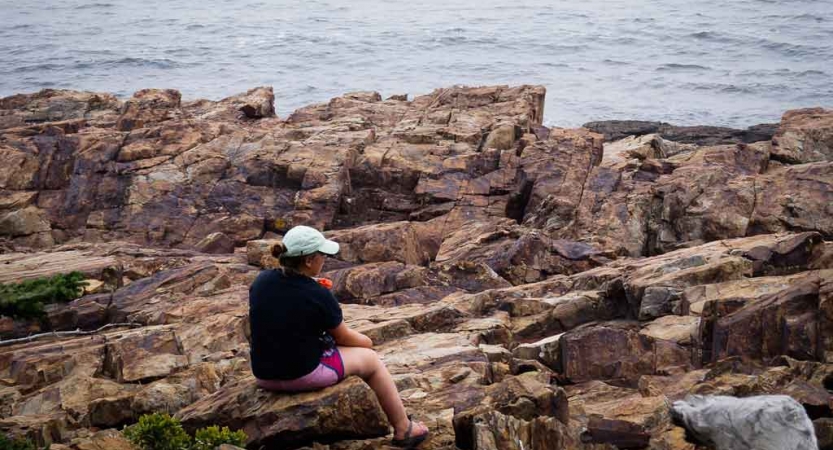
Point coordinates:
pixel 529 287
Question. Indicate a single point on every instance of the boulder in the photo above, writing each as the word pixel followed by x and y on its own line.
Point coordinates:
pixel 405 242
pixel 617 351
pixel 805 135
pixel 682 330
pixel 554 173
pixel 496 430
pixel 547 350
pixel 599 399
pixel 25 266
pixel 642 147
pixel 794 199
pixel 256 103
pixel 783 323
pixel 103 440
pixel 216 243
pixel 614 130
pixel 145 355
pixel 736 292
pixel 270 420
pixel 55 105
pixel 754 423
pixel 520 255
pixel 259 253
pixel 24 222
pixel 147 107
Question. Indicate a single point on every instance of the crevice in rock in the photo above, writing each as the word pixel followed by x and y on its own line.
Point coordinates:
pixel 751 217
pixel 518 201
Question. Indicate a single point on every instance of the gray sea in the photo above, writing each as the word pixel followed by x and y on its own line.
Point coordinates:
pixel 727 62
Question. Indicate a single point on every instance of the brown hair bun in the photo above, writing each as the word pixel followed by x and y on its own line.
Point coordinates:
pixel 278 250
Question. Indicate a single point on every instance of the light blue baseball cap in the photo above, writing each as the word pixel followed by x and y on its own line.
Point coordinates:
pixel 303 240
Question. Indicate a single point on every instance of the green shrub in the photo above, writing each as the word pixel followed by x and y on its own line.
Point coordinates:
pixel 163 432
pixel 211 437
pixel 26 300
pixel 158 432
pixel 15 444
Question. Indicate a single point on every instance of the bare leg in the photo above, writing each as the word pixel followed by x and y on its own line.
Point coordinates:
pixel 365 363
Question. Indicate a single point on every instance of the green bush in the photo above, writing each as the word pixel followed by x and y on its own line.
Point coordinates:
pixel 211 437
pixel 163 432
pixel 15 444
pixel 158 432
pixel 26 300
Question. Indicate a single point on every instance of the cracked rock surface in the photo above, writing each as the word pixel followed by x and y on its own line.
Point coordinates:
pixel 527 287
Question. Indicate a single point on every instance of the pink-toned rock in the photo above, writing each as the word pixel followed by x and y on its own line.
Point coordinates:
pixel 347 410
pixel 488 257
pixel 795 198
pixel 53 105
pixel 216 243
pixel 805 135
pixel 143 355
pixel 405 242
pixel 148 106
pixel 783 323
pixel 616 351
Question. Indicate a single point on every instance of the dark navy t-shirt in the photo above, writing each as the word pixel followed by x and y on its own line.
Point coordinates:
pixel 288 315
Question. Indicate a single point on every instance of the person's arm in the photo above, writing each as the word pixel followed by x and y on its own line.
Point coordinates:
pixel 343 335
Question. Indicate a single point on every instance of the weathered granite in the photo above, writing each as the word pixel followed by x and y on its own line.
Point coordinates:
pixel 489 258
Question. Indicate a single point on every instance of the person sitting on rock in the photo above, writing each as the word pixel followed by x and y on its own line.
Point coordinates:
pixel 300 341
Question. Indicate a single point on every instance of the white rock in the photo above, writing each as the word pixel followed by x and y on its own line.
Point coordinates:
pixel 767 422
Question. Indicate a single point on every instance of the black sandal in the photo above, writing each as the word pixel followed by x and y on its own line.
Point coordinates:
pixel 410 441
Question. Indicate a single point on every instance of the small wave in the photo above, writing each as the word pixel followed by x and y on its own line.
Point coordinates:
pixel 724 88
pixel 94 6
pixel 811 17
pixel 37 67
pixel 163 63
pixel 450 40
pixel 710 36
pixel 734 89
pixel 613 62
pixel 787 49
pixel 811 73
pixel 681 67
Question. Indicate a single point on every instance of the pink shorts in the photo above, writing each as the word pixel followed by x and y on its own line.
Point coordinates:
pixel 330 371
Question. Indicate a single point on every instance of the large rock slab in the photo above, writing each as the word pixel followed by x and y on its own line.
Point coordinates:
pixel 146 354
pixel 554 173
pixel 16 267
pixel 496 430
pixel 778 422
pixel 614 130
pixel 795 199
pixel 273 421
pixel 56 105
pixel 617 351
pixel 783 323
pixel 519 254
pixel 805 135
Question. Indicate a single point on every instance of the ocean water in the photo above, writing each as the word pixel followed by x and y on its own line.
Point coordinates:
pixel 728 62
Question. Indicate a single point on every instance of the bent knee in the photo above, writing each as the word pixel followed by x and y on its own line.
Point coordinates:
pixel 372 360
pixel 361 361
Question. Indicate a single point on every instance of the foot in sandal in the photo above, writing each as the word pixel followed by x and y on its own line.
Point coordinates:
pixel 412 436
